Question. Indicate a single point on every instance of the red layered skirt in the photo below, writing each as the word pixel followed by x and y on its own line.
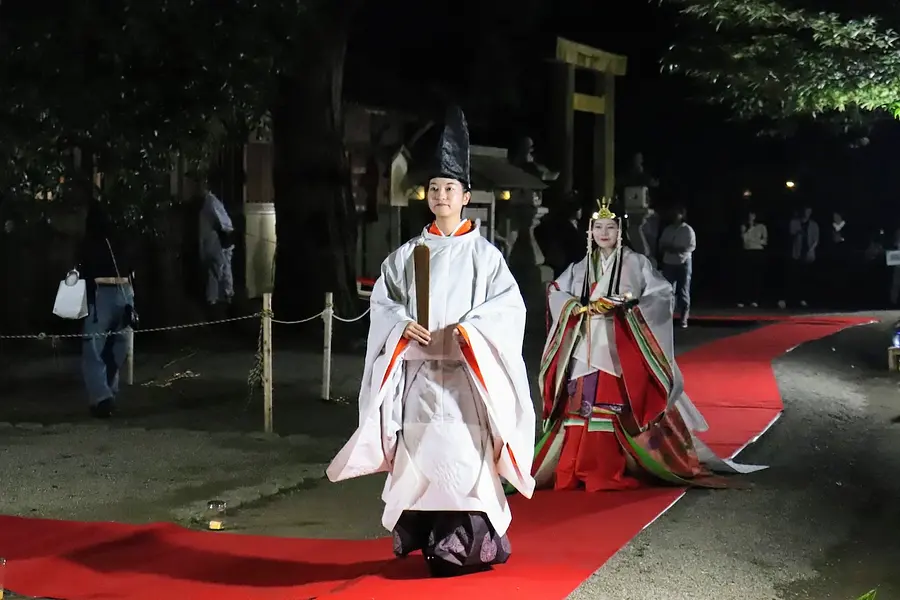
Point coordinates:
pixel 604 450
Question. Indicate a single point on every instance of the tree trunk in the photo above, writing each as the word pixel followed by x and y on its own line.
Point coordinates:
pixel 316 222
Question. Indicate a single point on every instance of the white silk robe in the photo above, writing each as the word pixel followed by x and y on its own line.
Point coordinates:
pixel 445 424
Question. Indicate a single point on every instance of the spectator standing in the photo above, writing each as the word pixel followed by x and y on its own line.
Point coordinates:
pixel 677 243
pixel 754 240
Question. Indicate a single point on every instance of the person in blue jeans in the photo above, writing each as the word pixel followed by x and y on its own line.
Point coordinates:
pixel 677 244
pixel 106 267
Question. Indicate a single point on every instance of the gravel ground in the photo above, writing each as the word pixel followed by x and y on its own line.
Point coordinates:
pixel 99 472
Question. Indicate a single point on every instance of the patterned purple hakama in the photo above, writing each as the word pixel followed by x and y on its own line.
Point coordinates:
pixel 453 543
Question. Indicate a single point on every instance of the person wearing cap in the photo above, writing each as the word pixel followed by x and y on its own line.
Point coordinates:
pixel 445 407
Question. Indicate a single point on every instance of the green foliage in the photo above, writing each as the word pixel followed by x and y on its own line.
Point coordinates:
pixel 868 596
pixel 131 83
pixel 766 58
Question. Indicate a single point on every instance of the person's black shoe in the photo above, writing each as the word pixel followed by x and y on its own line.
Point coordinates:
pixel 103 409
pixel 439 569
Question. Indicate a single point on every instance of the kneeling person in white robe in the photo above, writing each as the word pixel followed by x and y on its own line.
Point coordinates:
pixel 446 410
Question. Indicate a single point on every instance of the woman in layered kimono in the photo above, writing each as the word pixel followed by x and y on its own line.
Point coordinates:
pixel 445 409
pixel 614 409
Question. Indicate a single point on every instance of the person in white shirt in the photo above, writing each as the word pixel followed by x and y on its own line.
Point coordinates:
pixel 754 239
pixel 677 244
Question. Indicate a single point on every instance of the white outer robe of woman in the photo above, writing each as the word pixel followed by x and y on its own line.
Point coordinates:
pixel 425 417
pixel 656 301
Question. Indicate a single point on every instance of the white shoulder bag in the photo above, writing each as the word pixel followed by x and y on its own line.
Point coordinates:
pixel 71 297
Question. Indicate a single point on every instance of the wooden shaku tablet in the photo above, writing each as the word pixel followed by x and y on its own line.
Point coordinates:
pixel 422 269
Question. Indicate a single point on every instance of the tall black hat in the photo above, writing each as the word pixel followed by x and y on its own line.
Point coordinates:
pixel 451 157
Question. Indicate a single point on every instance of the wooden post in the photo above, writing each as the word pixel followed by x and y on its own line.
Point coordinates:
pixel 327 318
pixel 598 135
pixel 267 361
pixel 129 357
pixel 609 135
pixel 604 150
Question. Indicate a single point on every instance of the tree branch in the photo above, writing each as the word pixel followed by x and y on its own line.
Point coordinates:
pixel 762 58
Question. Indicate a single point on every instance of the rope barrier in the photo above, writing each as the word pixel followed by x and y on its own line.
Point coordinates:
pixel 306 320
pixel 354 319
pixel 260 374
pixel 51 336
pixel 60 336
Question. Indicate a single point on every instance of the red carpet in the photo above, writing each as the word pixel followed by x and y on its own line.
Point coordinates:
pixel 558 539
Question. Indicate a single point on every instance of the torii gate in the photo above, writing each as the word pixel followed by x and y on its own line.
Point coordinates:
pixel 605 67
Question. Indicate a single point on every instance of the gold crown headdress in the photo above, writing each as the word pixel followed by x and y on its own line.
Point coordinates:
pixel 603 211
